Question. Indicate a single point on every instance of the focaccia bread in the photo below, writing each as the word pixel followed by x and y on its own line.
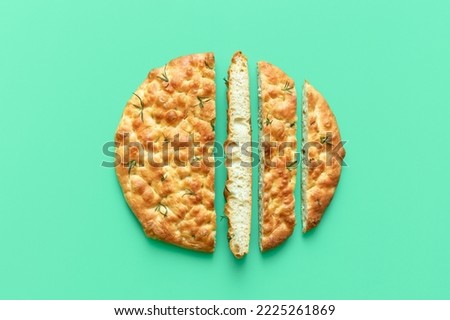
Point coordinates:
pixel 323 153
pixel 238 189
pixel 278 163
pixel 164 145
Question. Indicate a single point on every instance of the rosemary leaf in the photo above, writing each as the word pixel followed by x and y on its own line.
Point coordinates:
pixel 291 165
pixel 325 139
pixel 140 107
pixel 208 66
pixel 161 208
pixel 288 87
pixel 188 192
pixel 131 165
pixel 163 75
pixel 202 101
pixel 195 159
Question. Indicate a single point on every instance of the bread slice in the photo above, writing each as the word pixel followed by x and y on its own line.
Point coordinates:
pixel 323 153
pixel 171 191
pixel 278 163
pixel 238 190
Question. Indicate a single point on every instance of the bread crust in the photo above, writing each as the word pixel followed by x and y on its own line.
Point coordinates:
pixel 321 172
pixel 278 123
pixel 173 203
pixel 238 249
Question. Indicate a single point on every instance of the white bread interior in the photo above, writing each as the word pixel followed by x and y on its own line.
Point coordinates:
pixel 238 192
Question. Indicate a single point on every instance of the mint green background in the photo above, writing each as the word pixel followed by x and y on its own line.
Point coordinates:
pixel 67 70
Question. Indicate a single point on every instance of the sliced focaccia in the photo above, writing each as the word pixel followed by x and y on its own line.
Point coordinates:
pixel 323 153
pixel 238 190
pixel 278 161
pixel 164 147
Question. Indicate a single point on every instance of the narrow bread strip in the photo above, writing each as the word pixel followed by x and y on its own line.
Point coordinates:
pixel 278 163
pixel 171 191
pixel 238 189
pixel 323 153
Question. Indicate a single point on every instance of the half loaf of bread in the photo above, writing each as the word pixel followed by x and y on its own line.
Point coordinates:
pixel 171 191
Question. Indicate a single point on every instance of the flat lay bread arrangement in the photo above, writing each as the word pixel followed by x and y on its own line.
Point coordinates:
pixel 165 154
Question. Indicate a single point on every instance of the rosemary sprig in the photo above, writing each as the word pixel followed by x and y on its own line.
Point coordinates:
pixel 227 83
pixel 293 124
pixel 267 121
pixel 208 66
pixel 202 101
pixel 325 139
pixel 288 87
pixel 161 208
pixel 141 107
pixel 131 165
pixel 188 192
pixel 195 159
pixel 291 165
pixel 164 77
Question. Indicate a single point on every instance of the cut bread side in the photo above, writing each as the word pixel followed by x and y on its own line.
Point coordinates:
pixel 277 147
pixel 238 189
pixel 323 153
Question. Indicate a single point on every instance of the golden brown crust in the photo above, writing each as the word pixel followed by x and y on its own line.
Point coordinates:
pixel 321 170
pixel 239 231
pixel 278 121
pixel 173 202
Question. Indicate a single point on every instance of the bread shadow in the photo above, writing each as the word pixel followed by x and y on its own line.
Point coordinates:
pixel 274 251
pixel 178 251
pixel 238 263
pixel 309 234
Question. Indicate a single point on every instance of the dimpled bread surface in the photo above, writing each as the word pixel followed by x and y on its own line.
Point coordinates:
pixel 170 189
pixel 278 144
pixel 321 170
